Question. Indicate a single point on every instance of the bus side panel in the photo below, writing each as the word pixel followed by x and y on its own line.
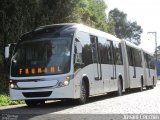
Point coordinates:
pixel 87 71
pixel 152 78
pixel 120 71
pixel 107 71
pixel 135 81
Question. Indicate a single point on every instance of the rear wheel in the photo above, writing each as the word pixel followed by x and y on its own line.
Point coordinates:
pixel 83 94
pixel 147 87
pixel 119 92
pixel 33 103
pixel 152 86
pixel 141 87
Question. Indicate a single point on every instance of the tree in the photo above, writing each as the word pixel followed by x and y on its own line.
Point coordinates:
pixel 111 27
pixel 124 29
pixel 20 16
pixel 133 33
pixel 93 14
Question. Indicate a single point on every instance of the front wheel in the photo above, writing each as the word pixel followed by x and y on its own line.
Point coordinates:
pixel 83 94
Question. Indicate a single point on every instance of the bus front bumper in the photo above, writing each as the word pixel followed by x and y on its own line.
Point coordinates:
pixel 43 93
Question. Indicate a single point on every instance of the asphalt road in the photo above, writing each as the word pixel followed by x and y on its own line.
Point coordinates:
pixel 132 105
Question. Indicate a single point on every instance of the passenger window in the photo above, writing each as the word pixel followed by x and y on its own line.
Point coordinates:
pixel 78 52
pixel 130 56
pixel 110 52
pixel 105 48
pixel 84 39
pixel 117 53
pixel 137 58
pixel 95 55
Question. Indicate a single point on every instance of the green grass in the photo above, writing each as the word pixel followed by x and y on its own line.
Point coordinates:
pixel 5 100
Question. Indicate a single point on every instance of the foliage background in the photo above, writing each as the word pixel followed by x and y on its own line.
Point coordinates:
pixel 20 16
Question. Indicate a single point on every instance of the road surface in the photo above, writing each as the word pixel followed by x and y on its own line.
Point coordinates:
pixel 132 105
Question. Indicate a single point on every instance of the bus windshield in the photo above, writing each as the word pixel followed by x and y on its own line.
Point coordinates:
pixel 45 56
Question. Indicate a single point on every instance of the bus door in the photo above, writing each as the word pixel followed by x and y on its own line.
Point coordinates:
pixel 145 77
pixel 132 67
pixel 147 68
pixel 97 71
pixel 113 68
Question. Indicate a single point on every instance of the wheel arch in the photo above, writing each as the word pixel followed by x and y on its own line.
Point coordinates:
pixel 121 80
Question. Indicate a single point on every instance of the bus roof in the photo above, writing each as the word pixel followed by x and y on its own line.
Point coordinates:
pixel 96 32
pixel 80 27
pixel 84 28
pixel 147 52
pixel 132 45
pixel 49 31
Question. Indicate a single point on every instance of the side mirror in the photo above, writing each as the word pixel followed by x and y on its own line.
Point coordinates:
pixel 7 52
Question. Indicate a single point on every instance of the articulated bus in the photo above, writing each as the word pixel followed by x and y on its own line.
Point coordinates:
pixel 73 61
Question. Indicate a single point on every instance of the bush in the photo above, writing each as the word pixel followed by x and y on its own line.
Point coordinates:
pixel 5 100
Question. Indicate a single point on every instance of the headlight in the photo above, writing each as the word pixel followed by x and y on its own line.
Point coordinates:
pixel 65 82
pixel 12 84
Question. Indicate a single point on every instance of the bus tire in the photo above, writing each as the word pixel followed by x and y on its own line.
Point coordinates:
pixel 83 94
pixel 141 87
pixel 147 87
pixel 119 92
pixel 152 86
pixel 33 103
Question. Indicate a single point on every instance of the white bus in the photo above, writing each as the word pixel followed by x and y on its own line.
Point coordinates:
pixel 139 67
pixel 73 61
pixel 150 72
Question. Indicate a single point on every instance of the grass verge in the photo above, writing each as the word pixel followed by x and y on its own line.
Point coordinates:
pixel 5 100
